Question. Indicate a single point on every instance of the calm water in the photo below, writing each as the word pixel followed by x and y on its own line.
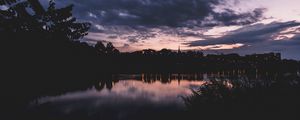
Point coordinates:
pixel 128 97
pixel 124 97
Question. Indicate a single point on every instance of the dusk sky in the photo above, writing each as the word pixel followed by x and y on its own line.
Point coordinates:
pixel 213 26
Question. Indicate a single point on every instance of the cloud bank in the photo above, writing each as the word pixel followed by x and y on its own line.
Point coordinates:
pixel 281 37
pixel 117 16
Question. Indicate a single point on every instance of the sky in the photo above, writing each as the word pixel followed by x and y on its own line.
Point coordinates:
pixel 212 26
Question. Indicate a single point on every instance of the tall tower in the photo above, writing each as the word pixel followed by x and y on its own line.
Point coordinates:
pixel 179 51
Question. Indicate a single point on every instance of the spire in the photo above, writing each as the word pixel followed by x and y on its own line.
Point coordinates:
pixel 179 51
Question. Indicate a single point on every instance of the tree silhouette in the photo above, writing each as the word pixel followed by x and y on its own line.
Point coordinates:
pixel 17 19
pixel 54 29
pixel 53 21
pixel 62 23
pixel 9 2
pixel 37 7
pixel 100 47
pixel 110 49
pixel 165 52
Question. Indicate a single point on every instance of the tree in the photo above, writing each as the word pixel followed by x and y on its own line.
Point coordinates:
pixel 165 52
pixel 37 7
pixel 61 23
pixel 53 21
pixel 110 49
pixel 5 2
pixel 43 29
pixel 51 31
pixel 100 47
pixel 17 19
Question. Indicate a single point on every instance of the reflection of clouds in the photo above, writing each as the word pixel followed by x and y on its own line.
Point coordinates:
pixel 127 97
pixel 130 91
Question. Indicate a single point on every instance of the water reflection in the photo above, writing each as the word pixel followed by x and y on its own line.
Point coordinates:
pixel 110 81
pixel 121 97
pixel 130 90
pixel 131 97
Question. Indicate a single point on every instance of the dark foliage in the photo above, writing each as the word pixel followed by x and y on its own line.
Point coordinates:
pixel 44 32
pixel 151 61
pixel 246 98
pixel 5 2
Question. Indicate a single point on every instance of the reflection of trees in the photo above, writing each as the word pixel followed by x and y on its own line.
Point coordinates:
pixel 168 77
pixel 106 81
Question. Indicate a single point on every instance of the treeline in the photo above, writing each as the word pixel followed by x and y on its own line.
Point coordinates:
pixel 166 60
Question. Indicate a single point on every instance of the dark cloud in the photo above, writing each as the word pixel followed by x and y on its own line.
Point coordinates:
pixel 113 37
pixel 140 35
pixel 132 39
pixel 153 13
pixel 230 17
pixel 249 34
pixel 137 17
pixel 126 45
pixel 259 38
pixel 146 12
